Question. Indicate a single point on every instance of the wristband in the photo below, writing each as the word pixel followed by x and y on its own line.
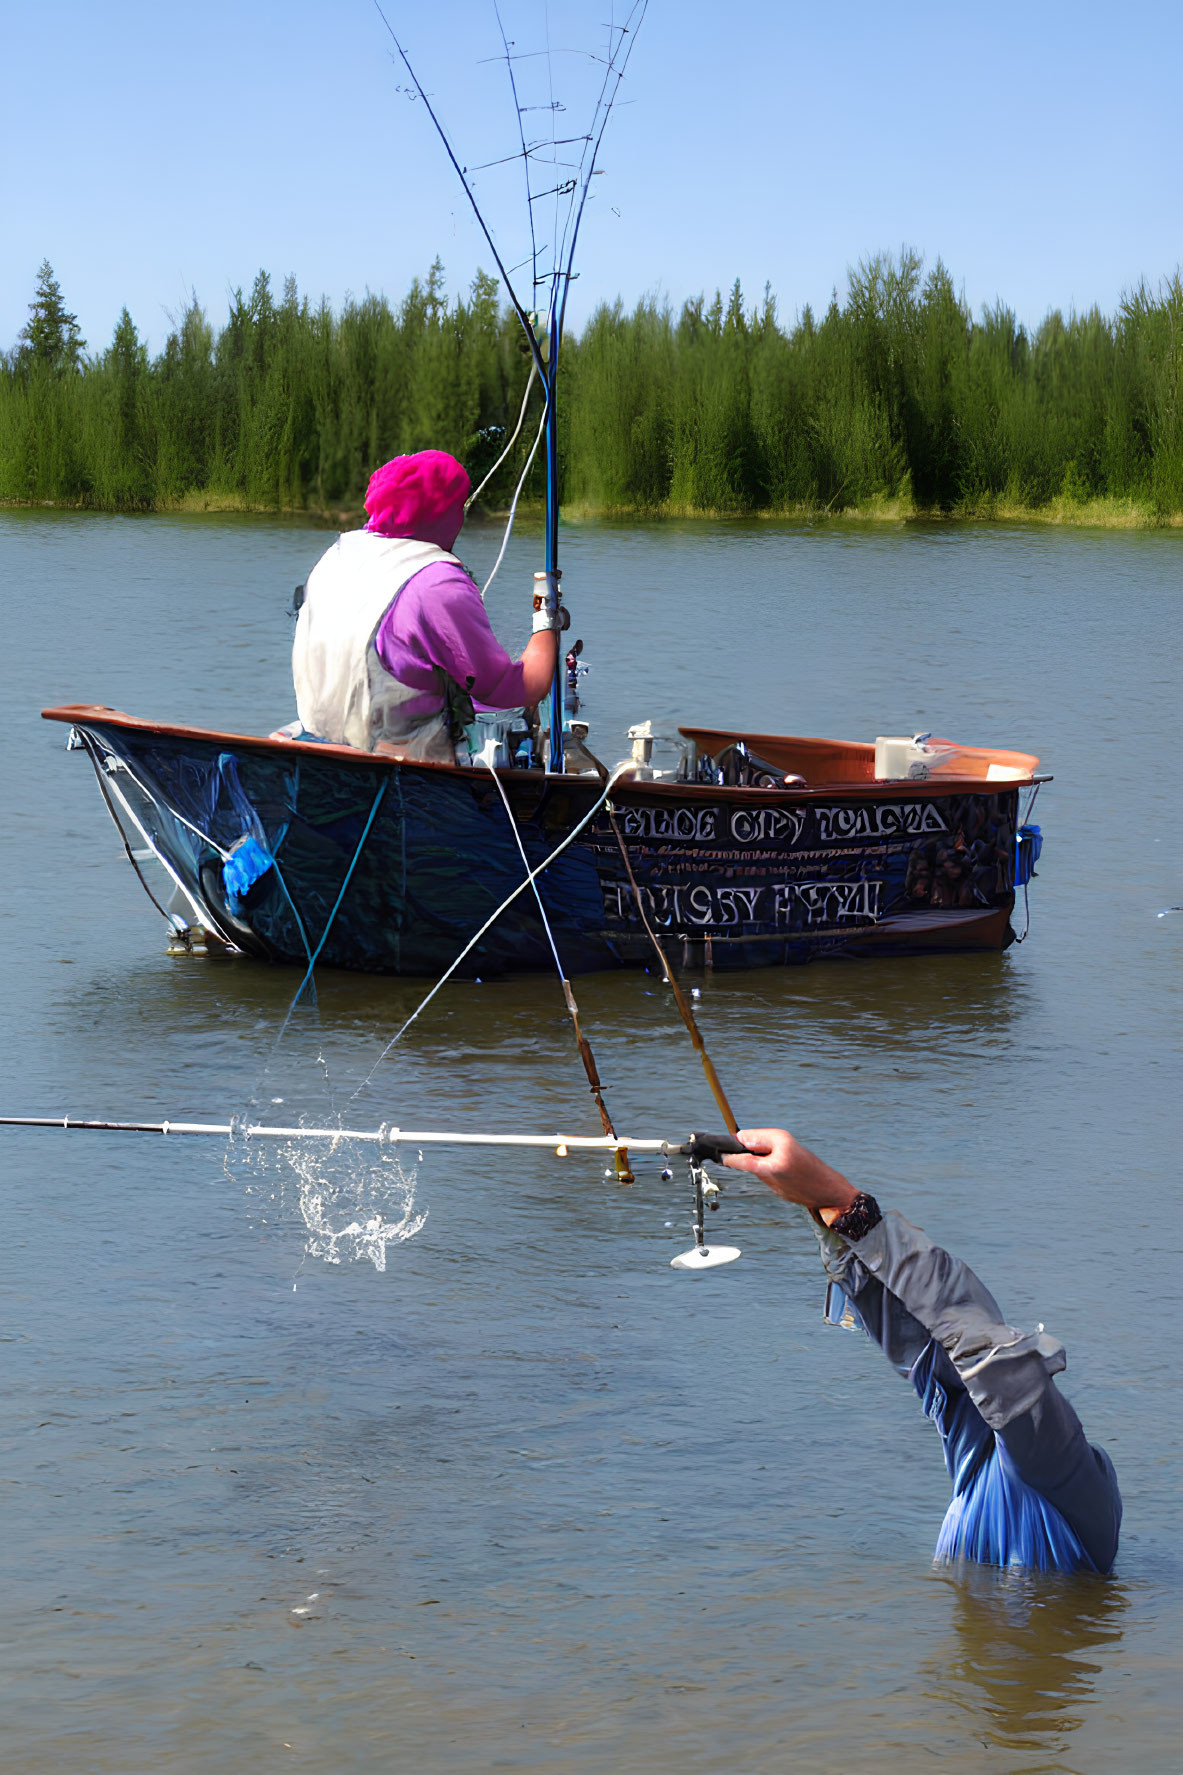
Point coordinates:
pixel 863 1214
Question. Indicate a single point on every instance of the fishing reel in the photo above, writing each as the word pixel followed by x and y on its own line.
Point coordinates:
pixel 701 1150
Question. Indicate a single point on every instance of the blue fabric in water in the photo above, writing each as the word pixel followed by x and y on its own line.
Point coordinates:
pixel 246 864
pixel 994 1516
pixel 1028 847
pixel 1002 1521
pixel 1032 1492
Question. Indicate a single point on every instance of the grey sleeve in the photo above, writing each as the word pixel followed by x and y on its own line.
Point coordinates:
pixel 900 1335
pixel 1007 1373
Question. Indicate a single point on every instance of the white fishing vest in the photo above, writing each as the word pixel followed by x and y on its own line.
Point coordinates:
pixel 343 691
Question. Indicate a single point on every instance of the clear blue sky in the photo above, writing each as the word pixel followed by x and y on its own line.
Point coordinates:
pixel 149 150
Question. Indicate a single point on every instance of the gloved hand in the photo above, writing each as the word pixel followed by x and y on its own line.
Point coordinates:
pixel 557 621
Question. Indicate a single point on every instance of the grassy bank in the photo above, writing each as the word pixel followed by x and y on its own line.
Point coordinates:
pixel 1092 514
pixel 895 404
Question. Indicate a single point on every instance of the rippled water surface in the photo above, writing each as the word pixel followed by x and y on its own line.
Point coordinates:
pixel 525 1497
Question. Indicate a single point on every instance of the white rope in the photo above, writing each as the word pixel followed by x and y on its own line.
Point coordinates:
pixel 516 496
pixel 158 801
pixel 473 497
pixel 533 874
pixel 125 804
pixel 513 826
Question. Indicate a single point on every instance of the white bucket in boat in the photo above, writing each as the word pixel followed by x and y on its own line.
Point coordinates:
pixel 903 757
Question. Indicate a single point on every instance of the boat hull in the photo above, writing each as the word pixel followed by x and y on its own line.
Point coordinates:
pixel 390 867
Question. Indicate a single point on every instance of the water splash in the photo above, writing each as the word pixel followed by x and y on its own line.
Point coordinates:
pixel 353 1210
pixel 354 1201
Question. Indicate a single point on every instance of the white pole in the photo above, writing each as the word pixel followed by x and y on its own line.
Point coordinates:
pixel 384 1136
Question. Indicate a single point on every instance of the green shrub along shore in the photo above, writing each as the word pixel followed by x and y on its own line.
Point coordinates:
pixel 896 402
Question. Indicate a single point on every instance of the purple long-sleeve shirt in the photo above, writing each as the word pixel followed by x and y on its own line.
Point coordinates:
pixel 439 619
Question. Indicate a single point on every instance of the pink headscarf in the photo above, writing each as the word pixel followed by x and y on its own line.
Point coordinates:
pixel 421 496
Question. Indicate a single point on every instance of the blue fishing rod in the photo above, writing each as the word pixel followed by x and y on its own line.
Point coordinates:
pixel 621 37
pixel 553 571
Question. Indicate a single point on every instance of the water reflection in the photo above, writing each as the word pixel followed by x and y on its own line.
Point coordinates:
pixel 889 1015
pixel 1026 1652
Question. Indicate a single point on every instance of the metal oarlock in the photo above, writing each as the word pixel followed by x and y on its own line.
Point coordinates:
pixel 700 1149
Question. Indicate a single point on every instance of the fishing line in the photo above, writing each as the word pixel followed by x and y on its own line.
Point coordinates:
pixel 680 999
pixel 312 1191
pixel 100 774
pixel 513 87
pixel 585 1052
pixel 296 915
pixel 517 495
pixel 621 770
pixel 314 954
pixel 324 936
pixel 535 349
pixel 473 497
pixel 179 817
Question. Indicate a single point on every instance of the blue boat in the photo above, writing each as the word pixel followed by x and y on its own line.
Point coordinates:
pixel 741 850
pixel 748 850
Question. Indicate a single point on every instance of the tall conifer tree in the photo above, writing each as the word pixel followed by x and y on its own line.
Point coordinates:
pixel 50 336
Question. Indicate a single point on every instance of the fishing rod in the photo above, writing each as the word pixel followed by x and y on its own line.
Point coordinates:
pixel 680 999
pixel 698 1149
pixel 544 341
pixel 544 350
pixel 697 1145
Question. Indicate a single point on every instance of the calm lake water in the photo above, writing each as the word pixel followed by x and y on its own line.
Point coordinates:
pixel 526 1497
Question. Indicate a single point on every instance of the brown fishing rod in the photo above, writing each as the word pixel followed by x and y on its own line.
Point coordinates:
pixel 680 998
pixel 620 1159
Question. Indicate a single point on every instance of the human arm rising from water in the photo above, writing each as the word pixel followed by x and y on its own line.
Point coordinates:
pixel 985 1384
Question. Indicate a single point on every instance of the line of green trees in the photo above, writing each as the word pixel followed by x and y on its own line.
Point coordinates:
pixel 896 393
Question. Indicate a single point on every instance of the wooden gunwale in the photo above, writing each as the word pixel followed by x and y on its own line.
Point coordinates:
pixel 937 785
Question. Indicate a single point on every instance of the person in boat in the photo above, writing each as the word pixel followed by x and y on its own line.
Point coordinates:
pixel 1028 1489
pixel 393 643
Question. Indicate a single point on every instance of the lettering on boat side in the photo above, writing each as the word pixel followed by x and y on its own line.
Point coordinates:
pixel 780 905
pixel 695 824
pixel 828 902
pixel 832 823
pixel 817 872
pixel 873 819
pixel 767 825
